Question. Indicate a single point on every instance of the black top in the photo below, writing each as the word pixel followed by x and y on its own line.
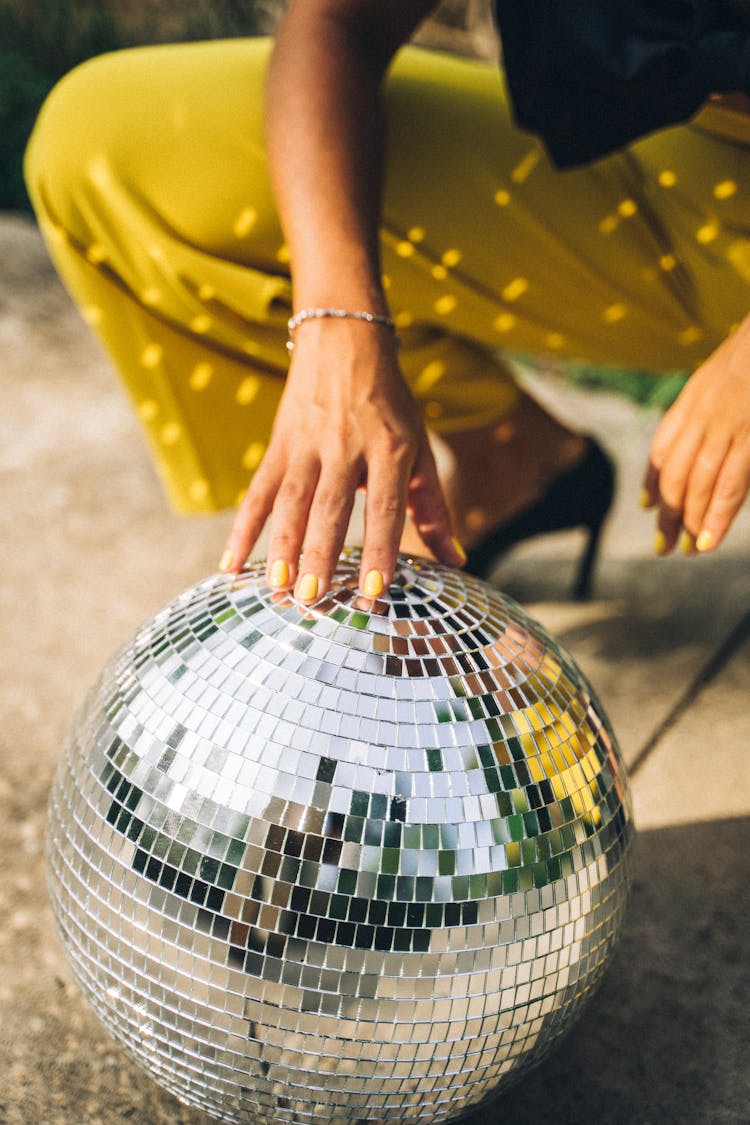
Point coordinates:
pixel 589 76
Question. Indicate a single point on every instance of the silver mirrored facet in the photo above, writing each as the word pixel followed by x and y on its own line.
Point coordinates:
pixel 360 861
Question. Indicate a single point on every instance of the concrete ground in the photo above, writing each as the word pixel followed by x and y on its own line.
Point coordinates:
pixel 89 550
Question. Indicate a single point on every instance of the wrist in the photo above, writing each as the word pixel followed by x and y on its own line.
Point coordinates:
pixel 343 273
pixel 374 320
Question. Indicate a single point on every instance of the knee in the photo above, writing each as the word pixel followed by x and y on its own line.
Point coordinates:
pixel 68 141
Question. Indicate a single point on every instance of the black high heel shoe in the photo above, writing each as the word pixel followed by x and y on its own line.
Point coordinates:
pixel 580 497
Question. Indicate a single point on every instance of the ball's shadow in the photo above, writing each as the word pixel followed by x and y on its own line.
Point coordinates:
pixel 666 1037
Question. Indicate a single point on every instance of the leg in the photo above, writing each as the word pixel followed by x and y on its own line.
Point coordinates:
pixel 486 240
pixel 173 253
pixel 608 263
pixel 159 215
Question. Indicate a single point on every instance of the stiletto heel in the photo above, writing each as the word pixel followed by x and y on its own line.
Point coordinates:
pixel 581 591
pixel 580 497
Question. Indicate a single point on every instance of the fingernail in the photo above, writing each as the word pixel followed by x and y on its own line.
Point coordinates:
pixel 226 560
pixel 279 573
pixel 308 588
pixel 373 586
pixel 704 541
pixel 458 548
pixel 660 543
pixel 686 543
pixel 644 499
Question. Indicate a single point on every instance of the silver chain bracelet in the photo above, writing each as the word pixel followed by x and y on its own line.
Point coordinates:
pixel 339 314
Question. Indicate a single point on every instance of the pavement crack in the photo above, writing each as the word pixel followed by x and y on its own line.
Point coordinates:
pixel 705 676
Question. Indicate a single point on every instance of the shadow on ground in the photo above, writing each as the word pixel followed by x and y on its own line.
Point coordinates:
pixel 637 584
pixel 646 1048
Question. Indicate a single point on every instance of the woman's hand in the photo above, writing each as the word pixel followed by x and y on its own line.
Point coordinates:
pixel 699 467
pixel 346 420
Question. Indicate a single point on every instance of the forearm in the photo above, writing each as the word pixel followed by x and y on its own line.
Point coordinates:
pixel 325 140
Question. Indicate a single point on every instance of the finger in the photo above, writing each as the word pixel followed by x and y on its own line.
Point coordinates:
pixel 674 475
pixel 291 508
pixel 667 432
pixel 667 435
pixel 327 522
pixel 649 497
pixel 385 513
pixel 675 470
pixel 250 518
pixel 668 525
pixel 704 476
pixel 727 498
pixel 430 514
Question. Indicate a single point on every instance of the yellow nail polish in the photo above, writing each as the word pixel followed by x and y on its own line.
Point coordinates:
pixel 226 560
pixel 660 543
pixel 279 573
pixel 308 588
pixel 686 543
pixel 458 548
pixel 644 499
pixel 373 586
pixel 704 542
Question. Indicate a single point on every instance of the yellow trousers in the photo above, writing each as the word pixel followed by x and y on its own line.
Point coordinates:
pixel 148 172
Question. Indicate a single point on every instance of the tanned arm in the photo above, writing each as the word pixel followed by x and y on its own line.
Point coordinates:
pixel 347 418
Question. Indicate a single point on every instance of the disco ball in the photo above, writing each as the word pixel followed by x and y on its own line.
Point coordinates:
pixel 359 861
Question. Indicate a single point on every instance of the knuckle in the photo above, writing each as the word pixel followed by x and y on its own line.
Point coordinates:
pixel 337 449
pixel 399 446
pixel 329 500
pixel 293 492
pixel 283 542
pixel 332 450
pixel 729 492
pixel 707 464
pixel 386 504
pixel 672 490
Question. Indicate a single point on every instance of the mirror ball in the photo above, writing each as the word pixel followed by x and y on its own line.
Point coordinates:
pixel 359 861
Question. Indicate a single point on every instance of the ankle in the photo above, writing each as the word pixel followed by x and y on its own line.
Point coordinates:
pixel 493 473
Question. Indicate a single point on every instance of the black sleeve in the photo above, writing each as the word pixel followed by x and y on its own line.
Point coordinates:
pixel 589 76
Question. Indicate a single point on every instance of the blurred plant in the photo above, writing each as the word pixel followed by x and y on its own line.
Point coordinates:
pixel 42 39
pixel 644 387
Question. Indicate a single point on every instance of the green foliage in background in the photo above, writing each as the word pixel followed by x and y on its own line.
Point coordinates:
pixel 647 388
pixel 40 40
pixel 639 386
